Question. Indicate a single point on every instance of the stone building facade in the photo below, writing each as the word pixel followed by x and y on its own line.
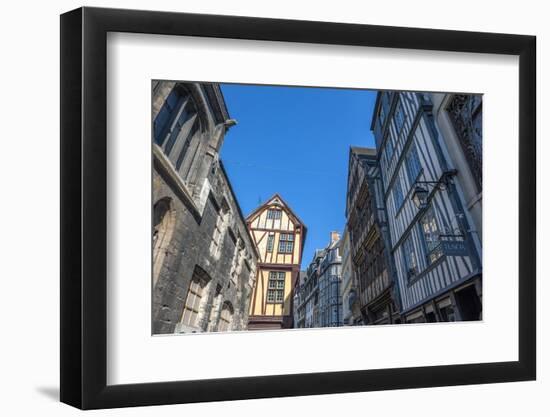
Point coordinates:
pixel 204 260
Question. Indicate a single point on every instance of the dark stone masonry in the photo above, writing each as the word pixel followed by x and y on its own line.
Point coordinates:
pixel 204 262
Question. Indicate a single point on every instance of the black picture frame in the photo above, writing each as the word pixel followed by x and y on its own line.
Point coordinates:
pixel 84 207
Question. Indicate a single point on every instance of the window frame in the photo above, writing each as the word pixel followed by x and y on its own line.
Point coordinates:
pixel 163 130
pixel 407 250
pixel 412 154
pixel 397 186
pixel 270 242
pixel 271 214
pixel 286 242
pixel 274 288
pixel 226 307
pixel 196 295
pixel 399 121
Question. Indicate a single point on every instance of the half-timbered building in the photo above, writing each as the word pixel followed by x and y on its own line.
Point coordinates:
pixel 433 239
pixel 204 260
pixel 279 235
pixel 372 263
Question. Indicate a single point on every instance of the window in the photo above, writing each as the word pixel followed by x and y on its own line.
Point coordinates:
pixel 185 113
pixel 163 221
pixel 399 117
pixel 216 237
pixel 175 127
pixel 186 144
pixel 276 287
pixel 382 116
pixel 431 235
pixel 274 214
pixel 389 148
pixel 286 243
pixel 270 240
pixel 219 228
pixel 412 164
pixel 226 316
pixel 239 256
pixel 409 254
pixel 384 107
pixel 192 302
pixel 397 194
pixel 165 115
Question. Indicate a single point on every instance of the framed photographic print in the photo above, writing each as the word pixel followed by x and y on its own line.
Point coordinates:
pixel 258 208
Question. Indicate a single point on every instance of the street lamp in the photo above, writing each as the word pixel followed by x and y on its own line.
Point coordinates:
pixel 420 197
pixel 423 191
pixel 420 193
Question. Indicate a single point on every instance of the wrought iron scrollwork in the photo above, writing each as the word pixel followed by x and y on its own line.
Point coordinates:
pixel 466 115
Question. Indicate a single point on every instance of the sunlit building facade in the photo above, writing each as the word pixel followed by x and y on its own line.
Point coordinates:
pixel 279 235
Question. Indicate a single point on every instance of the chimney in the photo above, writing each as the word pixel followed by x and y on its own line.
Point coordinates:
pixel 334 236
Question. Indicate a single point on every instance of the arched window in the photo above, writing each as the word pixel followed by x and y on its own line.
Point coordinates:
pixel 163 227
pixel 226 316
pixel 195 295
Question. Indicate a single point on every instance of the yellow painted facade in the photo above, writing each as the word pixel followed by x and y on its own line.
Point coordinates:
pixel 279 236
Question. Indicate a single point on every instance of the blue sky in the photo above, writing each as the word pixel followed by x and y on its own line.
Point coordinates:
pixel 295 141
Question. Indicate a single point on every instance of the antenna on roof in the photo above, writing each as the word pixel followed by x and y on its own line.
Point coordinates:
pixel 259 199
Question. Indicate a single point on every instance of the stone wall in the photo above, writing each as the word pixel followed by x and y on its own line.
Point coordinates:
pixel 209 240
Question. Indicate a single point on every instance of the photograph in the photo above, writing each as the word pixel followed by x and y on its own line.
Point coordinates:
pixel 290 207
pixel 347 188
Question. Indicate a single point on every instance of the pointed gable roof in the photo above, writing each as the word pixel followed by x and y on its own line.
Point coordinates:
pixel 357 154
pixel 276 200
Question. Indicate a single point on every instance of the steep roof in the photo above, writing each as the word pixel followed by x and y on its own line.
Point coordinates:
pixel 277 199
pixel 361 153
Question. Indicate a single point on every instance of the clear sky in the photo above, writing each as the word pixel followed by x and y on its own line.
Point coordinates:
pixel 295 141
